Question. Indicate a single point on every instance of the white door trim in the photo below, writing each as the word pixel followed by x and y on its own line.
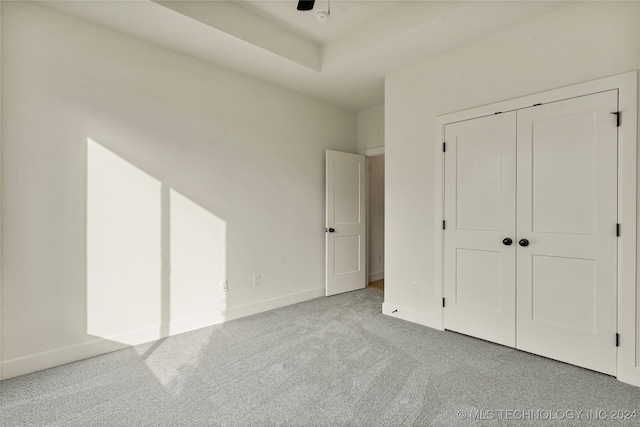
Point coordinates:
pixel 628 369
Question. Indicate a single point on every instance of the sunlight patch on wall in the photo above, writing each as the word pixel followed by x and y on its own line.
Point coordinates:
pixel 155 258
pixel 123 249
pixel 197 264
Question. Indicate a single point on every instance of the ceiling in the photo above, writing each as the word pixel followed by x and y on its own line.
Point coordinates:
pixel 345 16
pixel 342 61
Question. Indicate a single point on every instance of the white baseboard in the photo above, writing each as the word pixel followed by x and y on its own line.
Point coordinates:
pixel 376 276
pixel 60 356
pixel 273 303
pixel 628 375
pixel 97 346
pixel 425 319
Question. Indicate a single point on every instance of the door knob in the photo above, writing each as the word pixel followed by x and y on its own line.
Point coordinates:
pixel 507 241
pixel 523 242
pixel 330 230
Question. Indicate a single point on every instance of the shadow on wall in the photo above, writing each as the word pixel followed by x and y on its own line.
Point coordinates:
pixel 155 258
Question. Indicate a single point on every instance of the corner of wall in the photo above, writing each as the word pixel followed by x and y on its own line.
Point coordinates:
pixel 370 124
pixel 419 317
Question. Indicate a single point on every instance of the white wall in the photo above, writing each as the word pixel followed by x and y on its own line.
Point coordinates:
pixel 579 42
pixel 135 179
pixel 370 142
pixel 370 130
pixel 638 230
pixel 0 194
pixel 375 217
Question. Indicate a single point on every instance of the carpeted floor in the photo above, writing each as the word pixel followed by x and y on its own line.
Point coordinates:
pixel 333 361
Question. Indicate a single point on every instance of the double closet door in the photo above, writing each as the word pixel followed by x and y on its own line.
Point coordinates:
pixel 530 246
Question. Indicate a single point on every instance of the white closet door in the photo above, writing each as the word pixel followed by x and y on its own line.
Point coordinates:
pixel 479 269
pixel 567 211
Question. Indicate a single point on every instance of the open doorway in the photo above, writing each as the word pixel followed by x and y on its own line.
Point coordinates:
pixel 375 222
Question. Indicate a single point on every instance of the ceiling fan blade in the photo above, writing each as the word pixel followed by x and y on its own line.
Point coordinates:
pixel 306 4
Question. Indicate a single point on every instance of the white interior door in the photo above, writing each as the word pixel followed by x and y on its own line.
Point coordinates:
pixel 567 211
pixel 480 204
pixel 345 222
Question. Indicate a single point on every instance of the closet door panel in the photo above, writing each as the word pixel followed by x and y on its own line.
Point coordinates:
pixel 479 270
pixel 567 211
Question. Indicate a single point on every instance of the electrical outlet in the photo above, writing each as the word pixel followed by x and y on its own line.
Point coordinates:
pixel 224 286
pixel 414 286
pixel 256 280
pixel 379 257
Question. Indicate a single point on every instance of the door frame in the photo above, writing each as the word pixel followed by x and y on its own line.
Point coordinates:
pixel 628 362
pixel 371 152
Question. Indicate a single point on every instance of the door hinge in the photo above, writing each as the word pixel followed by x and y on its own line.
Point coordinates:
pixel 618 230
pixel 444 147
pixel 444 225
pixel 617 340
pixel 443 304
pixel 618 115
